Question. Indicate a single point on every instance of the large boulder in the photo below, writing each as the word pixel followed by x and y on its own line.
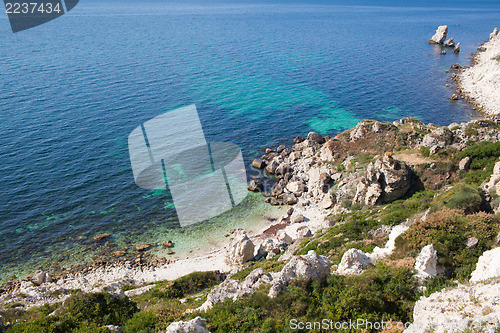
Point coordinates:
pixel 240 249
pixel 488 266
pixel 426 262
pixel 305 267
pixel 440 35
pixel 449 43
pixel 493 185
pixel 386 180
pixel 196 325
pixel 440 136
pixel 40 277
pixel 353 262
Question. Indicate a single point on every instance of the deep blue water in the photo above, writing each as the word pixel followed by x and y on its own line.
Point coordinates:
pixel 72 90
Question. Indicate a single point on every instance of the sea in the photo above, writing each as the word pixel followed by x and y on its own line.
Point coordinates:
pixel 259 72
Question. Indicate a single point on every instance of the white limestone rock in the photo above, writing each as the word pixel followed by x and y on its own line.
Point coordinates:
pixel 353 262
pixel 196 325
pixel 240 249
pixel 494 34
pixel 487 267
pixel 440 35
pixel 426 262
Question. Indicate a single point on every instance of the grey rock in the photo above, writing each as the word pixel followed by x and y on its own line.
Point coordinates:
pixel 196 325
pixel 255 185
pixel 426 262
pixel 280 148
pixel 259 164
pixel 494 34
pixel 272 166
pixel 457 48
pixel 290 199
pixel 464 163
pixel 40 277
pixel 471 242
pixel 315 137
pixel 298 139
pixel 353 262
pixel 297 218
pixel 449 43
pixel 454 97
pixel 240 248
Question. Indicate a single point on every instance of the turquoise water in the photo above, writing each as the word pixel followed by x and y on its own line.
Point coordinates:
pixel 72 90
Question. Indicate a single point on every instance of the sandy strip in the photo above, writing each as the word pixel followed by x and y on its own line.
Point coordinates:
pixel 481 82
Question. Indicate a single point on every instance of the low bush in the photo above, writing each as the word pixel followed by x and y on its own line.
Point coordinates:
pixel 465 197
pixel 185 285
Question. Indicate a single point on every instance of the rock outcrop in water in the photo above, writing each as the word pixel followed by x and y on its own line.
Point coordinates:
pixel 440 35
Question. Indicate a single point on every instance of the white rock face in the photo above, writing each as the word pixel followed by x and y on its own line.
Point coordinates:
pixel 426 262
pixel 488 266
pixel 380 253
pixel 386 180
pixel 440 35
pixel 481 82
pixel 240 249
pixel 353 262
pixel 309 266
pixel 196 325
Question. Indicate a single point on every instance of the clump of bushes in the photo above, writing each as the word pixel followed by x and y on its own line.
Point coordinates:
pixel 465 197
pixel 380 293
pixel 83 313
pixel 447 230
pixel 483 157
pixel 185 285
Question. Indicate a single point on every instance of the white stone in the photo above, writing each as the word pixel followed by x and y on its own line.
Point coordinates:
pixel 487 267
pixel 240 248
pixel 353 262
pixel 196 325
pixel 426 262
pixel 440 35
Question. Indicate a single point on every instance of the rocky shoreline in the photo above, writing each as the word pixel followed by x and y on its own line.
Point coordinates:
pixel 479 84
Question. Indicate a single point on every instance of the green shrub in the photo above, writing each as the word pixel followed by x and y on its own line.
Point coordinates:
pixel 437 283
pixel 425 151
pixel 483 157
pixel 465 197
pixel 185 285
pixel 141 322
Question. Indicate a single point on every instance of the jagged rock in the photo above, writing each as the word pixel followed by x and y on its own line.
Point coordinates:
pixel 457 48
pixel 255 185
pixel 40 277
pixel 494 34
pixel 303 232
pixel 259 164
pixel 464 163
pixel 386 180
pixel 435 149
pixel 454 68
pixel 353 262
pixel 440 136
pixel 100 237
pixel 440 35
pixel 271 248
pixel 282 169
pixel 284 238
pixel 280 148
pixel 327 153
pixel 426 262
pixel 454 97
pixel 290 199
pixel 471 242
pixel 297 218
pixel 305 267
pixel 449 43
pixel 240 248
pixel 487 267
pixel 315 137
pixel 196 325
pixel 298 139
pixel 466 308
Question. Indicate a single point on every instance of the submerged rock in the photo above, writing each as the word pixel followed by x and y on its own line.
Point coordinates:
pixel 100 237
pixel 440 35
pixel 255 185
